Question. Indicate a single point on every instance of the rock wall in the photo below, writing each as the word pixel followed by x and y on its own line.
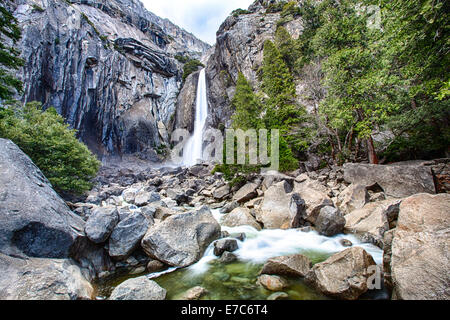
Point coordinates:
pixel 239 48
pixel 107 66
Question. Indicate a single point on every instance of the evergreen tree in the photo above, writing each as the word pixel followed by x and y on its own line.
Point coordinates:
pixel 9 55
pixel 288 48
pixel 247 106
pixel 415 46
pixel 53 147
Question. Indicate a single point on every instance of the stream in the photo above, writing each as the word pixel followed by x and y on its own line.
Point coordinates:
pixel 237 280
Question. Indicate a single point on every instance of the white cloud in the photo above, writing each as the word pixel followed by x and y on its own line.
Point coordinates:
pixel 201 17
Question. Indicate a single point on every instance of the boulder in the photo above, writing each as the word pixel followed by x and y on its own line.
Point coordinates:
pixel 273 177
pixel 272 283
pixel 228 257
pixel 346 243
pixel 330 221
pixel 181 240
pixel 344 275
pixel 101 223
pixel 178 196
pixel 397 181
pixel 315 196
pixel 221 192
pixel 34 220
pixel 163 213
pixel 296 265
pixel 42 279
pixel 246 193
pixel 220 246
pixel 129 195
pixel 193 294
pixel 278 296
pixel 155 266
pixel 140 288
pixel 127 235
pixel 279 210
pixel 240 217
pixel 420 249
pixel 355 196
pixel 230 206
pixel 144 198
pixel 373 219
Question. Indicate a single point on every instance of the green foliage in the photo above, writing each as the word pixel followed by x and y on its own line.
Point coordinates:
pixel 236 13
pixel 85 18
pixel 246 105
pixel 276 7
pixel 9 55
pixel 52 146
pixel 38 8
pixel 290 9
pixel 289 49
pixel 395 77
pixel 181 58
pixel 190 67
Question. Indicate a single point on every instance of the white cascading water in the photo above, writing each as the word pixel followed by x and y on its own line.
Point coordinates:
pixel 193 150
pixel 259 246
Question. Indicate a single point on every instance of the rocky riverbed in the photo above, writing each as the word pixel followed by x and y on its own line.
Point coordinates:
pixel 184 233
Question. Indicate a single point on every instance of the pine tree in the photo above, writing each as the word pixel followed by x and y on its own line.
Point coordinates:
pixel 288 48
pixel 247 106
pixel 51 144
pixel 10 34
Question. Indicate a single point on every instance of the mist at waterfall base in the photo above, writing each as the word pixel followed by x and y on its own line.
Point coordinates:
pixel 238 280
pixel 192 152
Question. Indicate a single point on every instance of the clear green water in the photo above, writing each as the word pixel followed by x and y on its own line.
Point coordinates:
pixel 234 281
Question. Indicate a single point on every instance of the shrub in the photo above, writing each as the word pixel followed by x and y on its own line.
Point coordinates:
pixel 275 7
pixel 47 140
pixel 181 58
pixel 236 13
pixel 38 8
pixel 190 67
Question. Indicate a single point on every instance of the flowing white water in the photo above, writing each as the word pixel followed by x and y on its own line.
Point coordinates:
pixel 259 246
pixel 193 150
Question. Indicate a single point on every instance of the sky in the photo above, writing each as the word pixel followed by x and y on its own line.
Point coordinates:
pixel 200 17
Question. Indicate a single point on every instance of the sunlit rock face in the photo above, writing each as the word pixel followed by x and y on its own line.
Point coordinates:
pixel 108 67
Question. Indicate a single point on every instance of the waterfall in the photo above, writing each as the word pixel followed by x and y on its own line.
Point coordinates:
pixel 193 150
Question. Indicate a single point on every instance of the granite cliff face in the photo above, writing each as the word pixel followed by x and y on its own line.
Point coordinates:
pixel 239 48
pixel 108 67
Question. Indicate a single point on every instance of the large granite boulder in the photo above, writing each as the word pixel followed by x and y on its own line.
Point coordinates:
pixel 240 217
pixel 278 209
pixel 222 245
pixel 373 219
pixel 34 220
pixel 355 196
pixel 420 249
pixel 181 240
pixel 127 235
pixel 330 221
pixel 397 181
pixel 222 192
pixel 344 275
pixel 42 279
pixel 101 223
pixel 314 194
pixel 246 193
pixel 140 288
pixel 296 265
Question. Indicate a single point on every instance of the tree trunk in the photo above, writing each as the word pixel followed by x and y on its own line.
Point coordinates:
pixel 373 159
